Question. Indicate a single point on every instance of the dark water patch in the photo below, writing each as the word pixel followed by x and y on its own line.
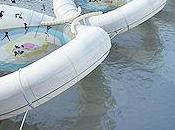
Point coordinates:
pixel 4 73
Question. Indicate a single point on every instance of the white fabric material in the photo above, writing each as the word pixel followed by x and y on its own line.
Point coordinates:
pixel 119 20
pixel 65 9
pixel 82 17
pixel 127 16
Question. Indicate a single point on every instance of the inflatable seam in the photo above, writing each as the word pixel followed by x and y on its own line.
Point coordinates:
pixel 56 88
pixel 22 90
pixel 148 14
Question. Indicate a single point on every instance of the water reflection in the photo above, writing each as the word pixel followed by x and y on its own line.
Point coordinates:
pixel 96 103
pixel 139 45
pixel 136 55
pixel 4 73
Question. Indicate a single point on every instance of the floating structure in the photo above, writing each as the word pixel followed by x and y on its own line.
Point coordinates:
pixel 114 20
pixel 42 56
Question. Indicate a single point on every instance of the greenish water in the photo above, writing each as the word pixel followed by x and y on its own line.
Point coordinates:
pixel 133 89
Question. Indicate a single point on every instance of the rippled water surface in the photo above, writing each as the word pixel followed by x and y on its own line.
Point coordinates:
pixel 133 89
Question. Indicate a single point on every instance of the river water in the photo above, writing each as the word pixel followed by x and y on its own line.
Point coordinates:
pixel 133 89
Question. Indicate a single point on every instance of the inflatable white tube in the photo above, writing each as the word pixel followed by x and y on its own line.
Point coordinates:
pixel 82 17
pixel 124 18
pixel 127 16
pixel 48 77
pixel 66 9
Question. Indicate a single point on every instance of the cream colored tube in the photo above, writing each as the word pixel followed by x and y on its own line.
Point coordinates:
pixel 65 9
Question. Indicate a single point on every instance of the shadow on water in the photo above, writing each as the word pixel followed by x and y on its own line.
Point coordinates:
pixel 95 103
pixel 137 49
pixel 4 73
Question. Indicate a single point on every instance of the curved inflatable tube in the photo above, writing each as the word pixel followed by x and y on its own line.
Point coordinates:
pixel 124 18
pixel 127 16
pixel 56 22
pixel 82 17
pixel 48 77
pixel 66 9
